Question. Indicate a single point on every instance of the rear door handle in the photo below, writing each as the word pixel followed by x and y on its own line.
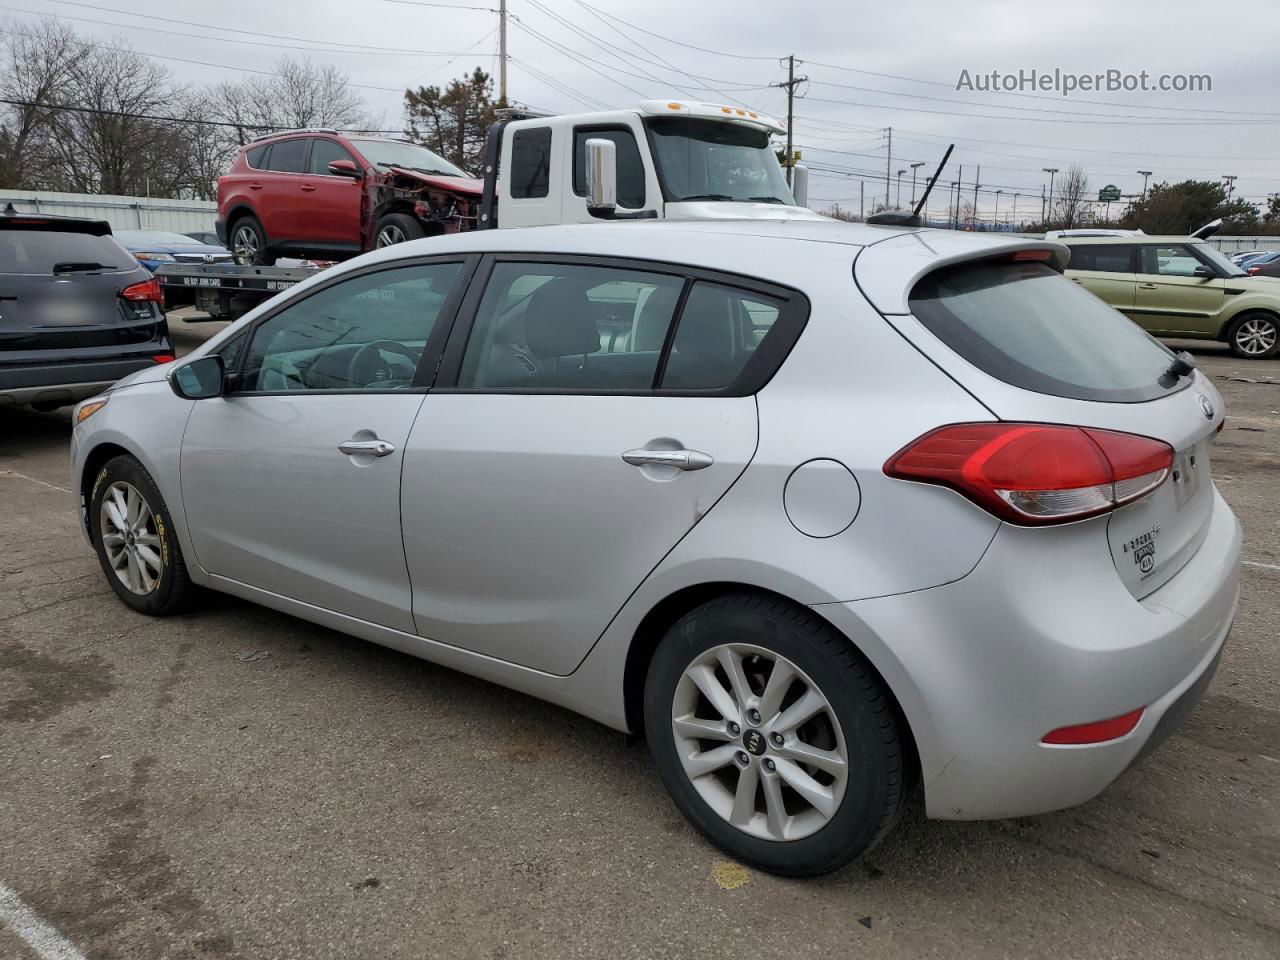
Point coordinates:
pixel 255 186
pixel 681 459
pixel 308 188
pixel 1148 286
pixel 369 448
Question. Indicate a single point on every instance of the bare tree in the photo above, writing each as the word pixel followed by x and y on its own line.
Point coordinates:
pixel 298 94
pixel 38 61
pixel 1071 198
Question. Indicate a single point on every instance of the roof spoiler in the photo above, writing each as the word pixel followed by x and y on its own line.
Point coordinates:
pixel 12 219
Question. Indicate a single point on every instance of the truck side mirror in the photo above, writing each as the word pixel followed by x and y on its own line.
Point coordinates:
pixel 345 168
pixel 800 184
pixel 602 178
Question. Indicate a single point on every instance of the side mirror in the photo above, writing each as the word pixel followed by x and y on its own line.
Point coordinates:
pixel 602 178
pixel 800 184
pixel 199 379
pixel 1207 273
pixel 345 168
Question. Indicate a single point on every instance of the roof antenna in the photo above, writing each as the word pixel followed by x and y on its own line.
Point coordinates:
pixel 900 218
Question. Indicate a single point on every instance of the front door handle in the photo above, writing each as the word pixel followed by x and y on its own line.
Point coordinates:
pixel 368 448
pixel 307 188
pixel 1148 286
pixel 681 459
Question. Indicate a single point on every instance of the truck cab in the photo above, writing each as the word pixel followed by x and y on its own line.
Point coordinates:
pixel 664 159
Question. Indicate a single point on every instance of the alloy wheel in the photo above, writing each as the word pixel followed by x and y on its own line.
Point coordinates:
pixel 131 538
pixel 244 245
pixel 390 235
pixel 760 742
pixel 1256 336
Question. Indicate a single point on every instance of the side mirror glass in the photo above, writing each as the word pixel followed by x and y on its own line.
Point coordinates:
pixel 199 379
pixel 800 184
pixel 602 178
pixel 1203 271
pixel 345 168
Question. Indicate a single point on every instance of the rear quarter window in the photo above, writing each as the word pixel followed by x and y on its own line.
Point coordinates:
pixel 1029 326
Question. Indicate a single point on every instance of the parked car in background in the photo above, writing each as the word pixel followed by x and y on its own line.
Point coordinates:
pixel 155 248
pixel 632 470
pixel 317 194
pixel 1180 287
pixel 1267 265
pixel 1239 259
pixel 77 312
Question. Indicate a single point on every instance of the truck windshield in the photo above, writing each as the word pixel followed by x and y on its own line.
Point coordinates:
pixel 711 160
pixel 395 153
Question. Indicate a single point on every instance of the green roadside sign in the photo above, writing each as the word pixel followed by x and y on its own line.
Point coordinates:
pixel 1109 193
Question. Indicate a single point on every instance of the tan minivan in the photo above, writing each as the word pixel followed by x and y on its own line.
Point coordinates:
pixel 1180 287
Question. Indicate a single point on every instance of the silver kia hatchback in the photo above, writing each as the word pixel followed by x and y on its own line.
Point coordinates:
pixel 829 512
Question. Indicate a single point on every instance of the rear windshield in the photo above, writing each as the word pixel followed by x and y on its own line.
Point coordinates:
pixel 36 251
pixel 1027 325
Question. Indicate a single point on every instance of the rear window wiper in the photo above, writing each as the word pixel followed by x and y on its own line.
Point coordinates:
pixel 79 266
pixel 1183 365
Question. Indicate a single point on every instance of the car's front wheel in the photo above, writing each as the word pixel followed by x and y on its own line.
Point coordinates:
pixel 1255 336
pixel 773 735
pixel 133 534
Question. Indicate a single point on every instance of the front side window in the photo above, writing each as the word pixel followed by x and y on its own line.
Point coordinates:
pixel 711 160
pixel 1102 258
pixel 543 326
pixel 366 333
pixel 324 152
pixel 717 335
pixel 630 165
pixel 1029 326
pixel 530 163
pixel 1174 260
pixel 288 156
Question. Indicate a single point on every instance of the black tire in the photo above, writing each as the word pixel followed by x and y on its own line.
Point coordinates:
pixel 173 590
pixel 1248 323
pixel 260 255
pixel 407 227
pixel 877 779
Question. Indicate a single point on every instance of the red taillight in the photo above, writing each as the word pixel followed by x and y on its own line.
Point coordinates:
pixel 1254 271
pixel 1031 473
pixel 163 358
pixel 1098 732
pixel 147 290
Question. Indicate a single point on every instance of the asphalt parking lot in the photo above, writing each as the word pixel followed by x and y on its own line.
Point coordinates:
pixel 236 783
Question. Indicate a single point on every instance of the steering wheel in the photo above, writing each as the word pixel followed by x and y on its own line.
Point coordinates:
pixel 369 368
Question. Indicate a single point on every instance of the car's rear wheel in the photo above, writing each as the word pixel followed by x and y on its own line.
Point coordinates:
pixel 397 228
pixel 1255 336
pixel 773 735
pixel 249 244
pixel 133 535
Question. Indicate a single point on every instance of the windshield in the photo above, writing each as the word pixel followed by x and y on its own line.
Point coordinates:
pixel 1216 257
pixel 710 160
pixel 1029 326
pixel 396 153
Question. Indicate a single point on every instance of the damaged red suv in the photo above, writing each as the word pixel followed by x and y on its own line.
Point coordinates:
pixel 321 195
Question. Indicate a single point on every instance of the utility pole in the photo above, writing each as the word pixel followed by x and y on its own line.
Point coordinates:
pixel 1050 171
pixel 888 165
pixel 790 85
pixel 862 198
pixel 1231 179
pixel 1146 174
pixel 995 214
pixel 975 197
pixel 1014 215
pixel 915 166
pixel 502 52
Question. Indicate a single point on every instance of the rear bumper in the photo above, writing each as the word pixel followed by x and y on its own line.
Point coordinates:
pixel 1035 639
pixel 64 383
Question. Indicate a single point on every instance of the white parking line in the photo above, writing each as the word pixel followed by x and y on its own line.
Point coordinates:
pixel 1264 566
pixel 23 476
pixel 47 942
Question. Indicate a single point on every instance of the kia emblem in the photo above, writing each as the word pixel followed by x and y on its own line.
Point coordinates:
pixel 1206 406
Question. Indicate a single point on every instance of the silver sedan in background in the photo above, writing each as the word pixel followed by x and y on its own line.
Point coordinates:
pixel 829 512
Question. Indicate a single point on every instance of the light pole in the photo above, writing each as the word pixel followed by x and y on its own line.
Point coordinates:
pixel 1146 174
pixel 1013 216
pixel 914 167
pixel 1049 209
pixel 995 214
pixel 955 220
pixel 898 201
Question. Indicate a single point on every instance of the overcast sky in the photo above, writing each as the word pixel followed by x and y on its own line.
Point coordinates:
pixel 923 44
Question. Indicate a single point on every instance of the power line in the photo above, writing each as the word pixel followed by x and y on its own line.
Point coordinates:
pixel 678 43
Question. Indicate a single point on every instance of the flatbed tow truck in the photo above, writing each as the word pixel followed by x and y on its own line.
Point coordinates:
pixel 675 159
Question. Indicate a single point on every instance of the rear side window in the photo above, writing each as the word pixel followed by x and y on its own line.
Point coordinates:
pixel 257 157
pixel 1102 258
pixel 1025 324
pixel 718 333
pixel 288 156
pixel 39 251
pixel 627 155
pixel 530 163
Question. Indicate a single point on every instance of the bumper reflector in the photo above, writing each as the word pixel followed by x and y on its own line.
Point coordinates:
pixel 1098 732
